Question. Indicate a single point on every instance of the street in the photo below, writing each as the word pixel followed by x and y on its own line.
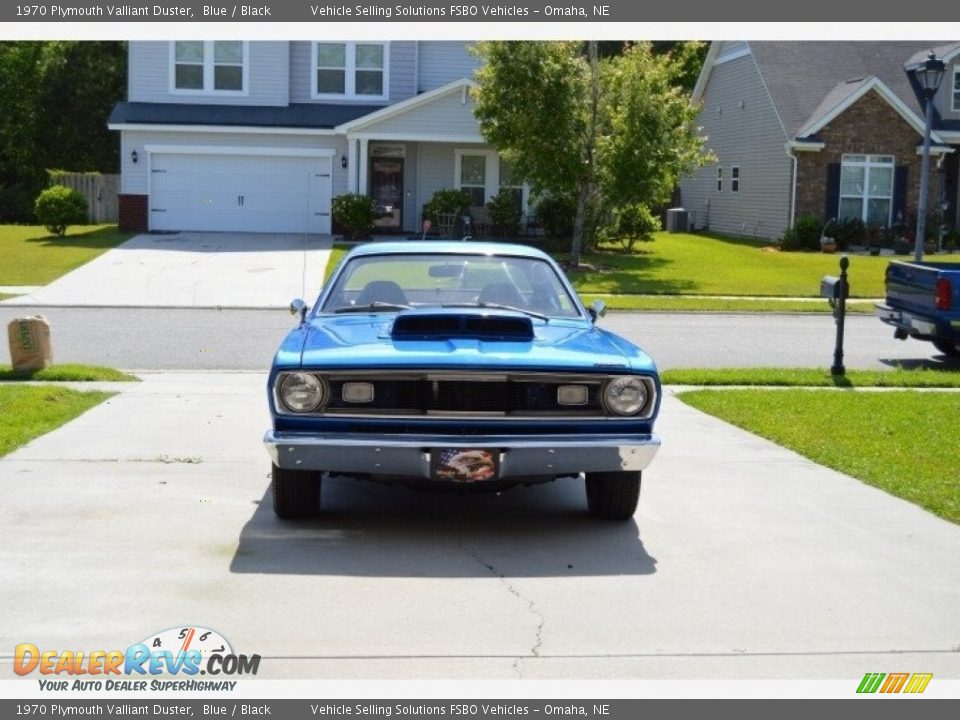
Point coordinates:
pixel 231 339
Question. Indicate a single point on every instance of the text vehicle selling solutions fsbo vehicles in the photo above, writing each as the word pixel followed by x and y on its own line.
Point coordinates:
pixel 458 364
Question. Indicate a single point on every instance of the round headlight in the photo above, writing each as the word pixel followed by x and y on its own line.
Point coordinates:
pixel 301 392
pixel 625 395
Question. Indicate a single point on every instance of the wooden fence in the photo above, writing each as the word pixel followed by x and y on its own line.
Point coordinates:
pixel 99 190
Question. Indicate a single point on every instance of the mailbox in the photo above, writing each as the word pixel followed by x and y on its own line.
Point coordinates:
pixel 830 287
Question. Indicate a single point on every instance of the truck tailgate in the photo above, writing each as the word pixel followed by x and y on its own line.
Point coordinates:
pixel 913 287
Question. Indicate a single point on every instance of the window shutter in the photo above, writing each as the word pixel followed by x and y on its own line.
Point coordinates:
pixel 900 194
pixel 832 204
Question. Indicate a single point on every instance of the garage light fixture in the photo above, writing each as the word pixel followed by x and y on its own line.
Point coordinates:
pixel 134 157
pixel 343 161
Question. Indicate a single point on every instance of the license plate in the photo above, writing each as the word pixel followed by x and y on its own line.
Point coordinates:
pixel 464 465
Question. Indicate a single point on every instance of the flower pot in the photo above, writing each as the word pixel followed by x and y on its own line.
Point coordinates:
pixel 828 247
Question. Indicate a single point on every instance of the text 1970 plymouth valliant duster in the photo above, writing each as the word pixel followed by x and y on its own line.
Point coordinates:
pixel 475 364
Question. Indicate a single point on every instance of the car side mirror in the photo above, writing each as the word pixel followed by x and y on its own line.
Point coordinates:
pixel 597 309
pixel 299 307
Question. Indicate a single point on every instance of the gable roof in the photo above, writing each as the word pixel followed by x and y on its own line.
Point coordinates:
pixel 807 80
pixel 800 75
pixel 846 94
pixel 461 85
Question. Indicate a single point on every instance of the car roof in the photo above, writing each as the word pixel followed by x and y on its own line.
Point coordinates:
pixel 446 247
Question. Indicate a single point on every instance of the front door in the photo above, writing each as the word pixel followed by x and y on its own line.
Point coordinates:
pixel 386 188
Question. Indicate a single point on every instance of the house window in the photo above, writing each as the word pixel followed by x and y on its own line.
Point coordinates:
pixel 473 177
pixel 956 89
pixel 735 179
pixel 350 69
pixel 719 179
pixel 483 173
pixel 212 66
pixel 866 188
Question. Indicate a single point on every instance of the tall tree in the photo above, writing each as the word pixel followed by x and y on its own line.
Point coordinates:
pixel 55 98
pixel 608 131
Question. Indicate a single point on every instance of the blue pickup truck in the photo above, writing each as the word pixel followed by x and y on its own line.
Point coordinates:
pixel 923 302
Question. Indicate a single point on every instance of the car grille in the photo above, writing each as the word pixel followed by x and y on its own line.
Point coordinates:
pixel 478 395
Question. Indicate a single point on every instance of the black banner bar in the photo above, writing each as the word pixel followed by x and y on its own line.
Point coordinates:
pixel 326 709
pixel 468 11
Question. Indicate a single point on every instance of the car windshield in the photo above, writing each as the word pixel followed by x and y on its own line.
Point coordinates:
pixel 387 283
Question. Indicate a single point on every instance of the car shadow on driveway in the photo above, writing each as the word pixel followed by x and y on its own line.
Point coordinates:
pixel 372 530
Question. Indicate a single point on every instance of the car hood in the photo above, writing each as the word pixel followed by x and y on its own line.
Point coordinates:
pixel 365 341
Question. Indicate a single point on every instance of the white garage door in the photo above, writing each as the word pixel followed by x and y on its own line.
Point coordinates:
pixel 246 193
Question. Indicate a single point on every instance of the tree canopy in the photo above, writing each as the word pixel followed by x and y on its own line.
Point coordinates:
pixel 55 98
pixel 610 129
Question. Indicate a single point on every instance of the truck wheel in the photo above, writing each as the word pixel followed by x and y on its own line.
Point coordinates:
pixel 947 348
pixel 296 493
pixel 613 495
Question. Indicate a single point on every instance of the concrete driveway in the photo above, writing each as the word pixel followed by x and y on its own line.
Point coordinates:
pixel 192 269
pixel 744 561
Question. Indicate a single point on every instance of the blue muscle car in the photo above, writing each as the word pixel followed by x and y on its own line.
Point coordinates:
pixel 458 364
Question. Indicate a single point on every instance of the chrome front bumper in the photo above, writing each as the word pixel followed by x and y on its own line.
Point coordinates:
pixel 409 455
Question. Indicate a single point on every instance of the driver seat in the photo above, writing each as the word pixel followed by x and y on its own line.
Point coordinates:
pixel 383 291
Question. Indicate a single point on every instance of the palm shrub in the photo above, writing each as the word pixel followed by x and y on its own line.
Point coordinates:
pixel 60 206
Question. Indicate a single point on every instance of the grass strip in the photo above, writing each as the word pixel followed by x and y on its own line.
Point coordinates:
pixel 66 373
pixel 28 411
pixel 902 442
pixel 693 303
pixel 812 377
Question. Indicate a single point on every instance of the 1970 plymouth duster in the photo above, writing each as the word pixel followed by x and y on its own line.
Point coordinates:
pixel 458 364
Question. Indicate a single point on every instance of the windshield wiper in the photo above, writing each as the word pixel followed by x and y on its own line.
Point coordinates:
pixel 372 307
pixel 499 306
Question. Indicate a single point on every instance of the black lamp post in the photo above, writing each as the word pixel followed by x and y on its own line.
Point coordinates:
pixel 929 74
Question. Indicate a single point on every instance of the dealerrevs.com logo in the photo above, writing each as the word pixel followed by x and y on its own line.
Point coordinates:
pixel 184 651
pixel 893 683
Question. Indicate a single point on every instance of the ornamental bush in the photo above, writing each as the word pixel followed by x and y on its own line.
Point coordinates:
pixel 446 202
pixel 60 206
pixel 633 223
pixel 355 215
pixel 504 213
pixel 804 235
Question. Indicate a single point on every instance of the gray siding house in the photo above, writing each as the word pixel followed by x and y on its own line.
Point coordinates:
pixel 830 129
pixel 260 136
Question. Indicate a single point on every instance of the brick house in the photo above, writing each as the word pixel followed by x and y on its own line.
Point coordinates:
pixel 831 129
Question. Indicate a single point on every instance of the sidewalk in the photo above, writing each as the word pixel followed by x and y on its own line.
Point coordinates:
pixel 744 561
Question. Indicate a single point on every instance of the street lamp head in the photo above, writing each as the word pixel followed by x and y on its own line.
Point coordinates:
pixel 929 74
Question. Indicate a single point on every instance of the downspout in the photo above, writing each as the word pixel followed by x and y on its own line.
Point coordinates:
pixel 793 185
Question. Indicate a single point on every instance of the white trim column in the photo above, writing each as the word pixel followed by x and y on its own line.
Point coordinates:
pixel 351 164
pixel 364 161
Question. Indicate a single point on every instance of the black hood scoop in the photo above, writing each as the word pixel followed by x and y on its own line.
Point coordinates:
pixel 479 325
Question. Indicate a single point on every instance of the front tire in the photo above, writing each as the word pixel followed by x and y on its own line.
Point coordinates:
pixel 613 495
pixel 947 348
pixel 296 493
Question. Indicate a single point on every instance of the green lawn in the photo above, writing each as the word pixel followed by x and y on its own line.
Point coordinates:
pixel 670 272
pixel 683 264
pixel 31 256
pixel 66 373
pixel 812 377
pixel 28 411
pixel 5 297
pixel 904 442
